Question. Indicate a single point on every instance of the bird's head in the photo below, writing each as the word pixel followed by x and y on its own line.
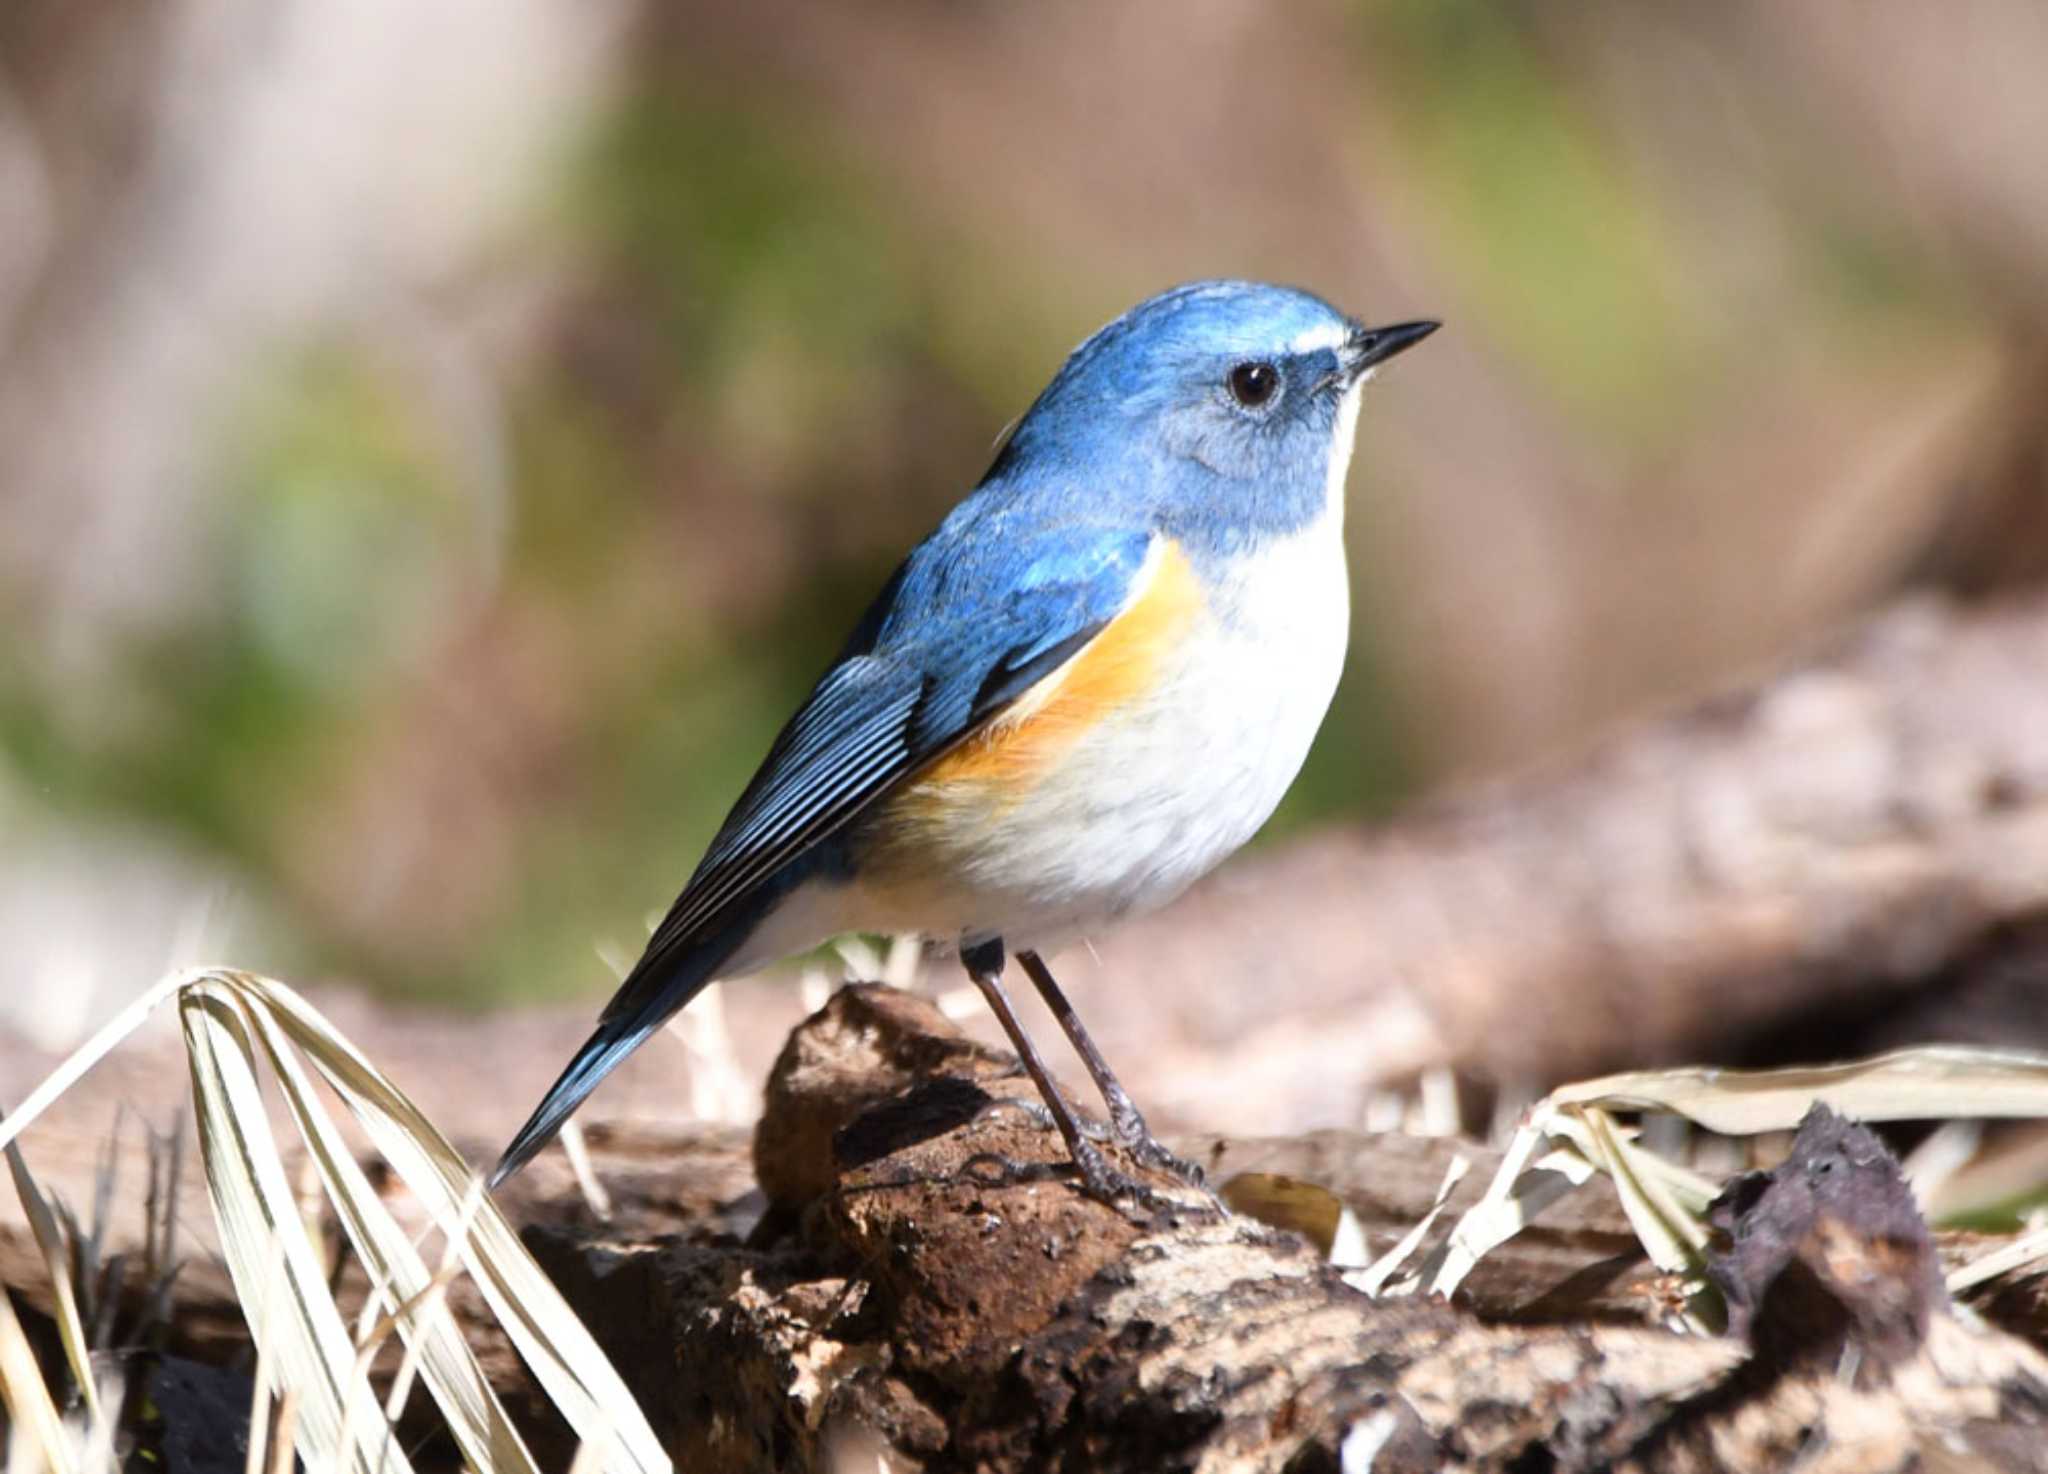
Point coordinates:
pixel 1227 403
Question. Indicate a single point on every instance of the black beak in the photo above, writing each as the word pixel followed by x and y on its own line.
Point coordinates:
pixel 1367 347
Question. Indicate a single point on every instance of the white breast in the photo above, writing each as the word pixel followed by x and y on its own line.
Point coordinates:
pixel 1195 774
pixel 1150 802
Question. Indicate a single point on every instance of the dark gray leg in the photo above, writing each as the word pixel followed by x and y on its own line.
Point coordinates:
pixel 1124 1118
pixel 985 965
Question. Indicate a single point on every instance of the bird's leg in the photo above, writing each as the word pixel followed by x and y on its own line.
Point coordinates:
pixel 1124 1118
pixel 984 964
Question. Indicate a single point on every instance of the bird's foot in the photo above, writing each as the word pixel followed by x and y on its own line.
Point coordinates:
pixel 1112 1188
pixel 1130 1132
pixel 1099 1180
pixel 1031 1110
pixel 993 1169
pixel 1147 1150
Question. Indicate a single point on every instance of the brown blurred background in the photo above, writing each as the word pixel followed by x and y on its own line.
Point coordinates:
pixel 439 441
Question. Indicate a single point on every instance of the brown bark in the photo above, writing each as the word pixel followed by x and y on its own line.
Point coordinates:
pixel 948 1297
pixel 926 1284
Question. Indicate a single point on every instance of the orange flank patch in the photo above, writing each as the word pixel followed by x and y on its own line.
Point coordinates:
pixel 1115 669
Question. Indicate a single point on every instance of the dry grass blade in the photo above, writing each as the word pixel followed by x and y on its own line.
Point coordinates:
pixel 591 1456
pixel 577 1151
pixel 90 1053
pixel 397 1272
pixel 2027 1253
pixel 50 1241
pixel 1669 1228
pixel 287 1427
pixel 1372 1279
pixel 101 1433
pixel 33 1416
pixel 429 1310
pixel 1522 1187
pixel 259 1219
pixel 556 1345
pixel 1665 1203
pixel 259 1382
pixel 230 1020
pixel 1934 1083
pixel 1945 1152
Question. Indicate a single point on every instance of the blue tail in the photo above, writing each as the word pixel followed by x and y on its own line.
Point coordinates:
pixel 612 1042
pixel 658 987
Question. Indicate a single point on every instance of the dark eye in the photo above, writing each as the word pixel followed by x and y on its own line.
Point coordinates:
pixel 1252 384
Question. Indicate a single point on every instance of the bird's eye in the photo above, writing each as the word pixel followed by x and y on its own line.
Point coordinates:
pixel 1252 384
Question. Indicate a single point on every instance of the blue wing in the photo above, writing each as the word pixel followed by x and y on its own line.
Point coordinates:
pixel 975 617
pixel 957 635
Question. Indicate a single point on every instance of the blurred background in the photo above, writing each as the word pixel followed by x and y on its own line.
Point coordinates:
pixel 441 439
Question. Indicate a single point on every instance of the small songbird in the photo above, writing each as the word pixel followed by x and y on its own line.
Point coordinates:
pixel 1092 683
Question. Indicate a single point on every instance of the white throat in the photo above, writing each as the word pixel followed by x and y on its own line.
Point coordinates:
pixel 1342 437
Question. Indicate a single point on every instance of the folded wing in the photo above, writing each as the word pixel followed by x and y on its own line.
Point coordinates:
pixel 957 636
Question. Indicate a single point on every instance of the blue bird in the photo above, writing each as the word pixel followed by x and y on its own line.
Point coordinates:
pixel 1092 683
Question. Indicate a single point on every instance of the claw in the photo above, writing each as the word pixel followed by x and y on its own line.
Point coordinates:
pixel 1148 1151
pixel 1037 1114
pixel 1112 1188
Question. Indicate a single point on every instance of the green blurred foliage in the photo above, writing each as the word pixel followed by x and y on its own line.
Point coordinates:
pixel 762 379
pixel 333 527
pixel 1533 213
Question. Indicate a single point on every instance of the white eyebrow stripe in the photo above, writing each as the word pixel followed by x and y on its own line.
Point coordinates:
pixel 1323 335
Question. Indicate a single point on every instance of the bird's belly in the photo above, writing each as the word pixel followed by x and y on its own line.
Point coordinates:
pixel 1150 795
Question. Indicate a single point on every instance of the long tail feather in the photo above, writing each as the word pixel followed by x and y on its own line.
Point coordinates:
pixel 612 1042
pixel 660 985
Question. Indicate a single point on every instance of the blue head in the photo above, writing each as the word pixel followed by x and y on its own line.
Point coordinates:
pixel 1218 410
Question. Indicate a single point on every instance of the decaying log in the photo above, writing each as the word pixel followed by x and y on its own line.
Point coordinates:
pixel 931 1286
pixel 923 1284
